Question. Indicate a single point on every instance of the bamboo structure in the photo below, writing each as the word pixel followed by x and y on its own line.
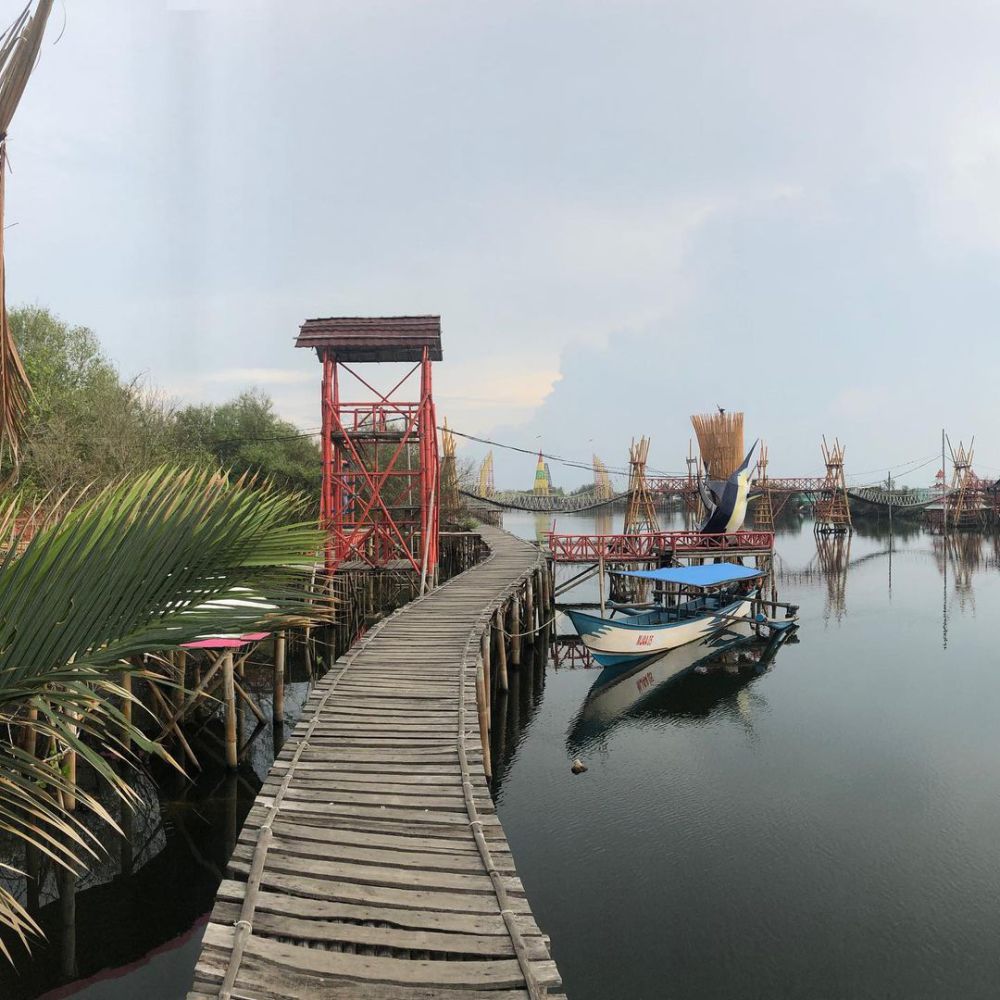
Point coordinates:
pixel 640 518
pixel 720 441
pixel 640 515
pixel 763 509
pixel 486 485
pixel 833 512
pixel 965 499
pixel 449 476
pixel 602 481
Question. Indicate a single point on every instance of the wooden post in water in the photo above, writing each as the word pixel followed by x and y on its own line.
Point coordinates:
pixel 501 649
pixel 278 703
pixel 600 581
pixel 515 630
pixel 229 700
pixel 529 598
pixel 485 646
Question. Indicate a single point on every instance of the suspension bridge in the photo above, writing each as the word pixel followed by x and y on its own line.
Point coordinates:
pixel 808 488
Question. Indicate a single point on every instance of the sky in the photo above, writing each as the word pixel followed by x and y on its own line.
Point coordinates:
pixel 625 213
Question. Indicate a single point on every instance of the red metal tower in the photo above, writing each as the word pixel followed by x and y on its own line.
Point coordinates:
pixel 381 468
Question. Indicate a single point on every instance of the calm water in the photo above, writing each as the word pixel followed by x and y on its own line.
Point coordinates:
pixel 830 828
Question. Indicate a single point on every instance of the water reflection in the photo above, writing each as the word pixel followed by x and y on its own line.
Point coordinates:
pixel 692 681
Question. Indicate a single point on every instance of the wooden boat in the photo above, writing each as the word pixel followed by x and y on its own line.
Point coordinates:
pixel 710 598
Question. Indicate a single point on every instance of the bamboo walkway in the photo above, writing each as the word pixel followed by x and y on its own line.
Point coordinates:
pixel 372 864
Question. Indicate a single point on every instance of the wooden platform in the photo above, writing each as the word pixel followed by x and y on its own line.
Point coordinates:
pixel 372 864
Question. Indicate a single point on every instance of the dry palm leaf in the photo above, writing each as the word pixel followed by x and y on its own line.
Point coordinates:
pixel 18 54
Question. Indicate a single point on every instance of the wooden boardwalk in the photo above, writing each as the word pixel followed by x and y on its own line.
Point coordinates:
pixel 372 864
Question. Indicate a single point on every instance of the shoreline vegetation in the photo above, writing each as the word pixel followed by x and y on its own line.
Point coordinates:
pixel 88 426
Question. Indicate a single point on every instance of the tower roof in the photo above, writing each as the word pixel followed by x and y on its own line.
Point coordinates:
pixel 373 338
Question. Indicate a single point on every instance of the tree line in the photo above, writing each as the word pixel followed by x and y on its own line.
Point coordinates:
pixel 89 426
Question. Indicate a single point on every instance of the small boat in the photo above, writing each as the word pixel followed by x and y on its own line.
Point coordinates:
pixel 710 598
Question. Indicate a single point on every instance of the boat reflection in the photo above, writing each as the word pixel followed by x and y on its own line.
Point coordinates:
pixel 692 681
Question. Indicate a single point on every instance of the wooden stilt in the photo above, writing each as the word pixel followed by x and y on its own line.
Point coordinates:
pixel 501 650
pixel 174 728
pixel 126 683
pixel 529 598
pixel 278 714
pixel 229 700
pixel 515 631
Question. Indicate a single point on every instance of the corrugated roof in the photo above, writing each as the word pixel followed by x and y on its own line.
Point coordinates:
pixel 373 338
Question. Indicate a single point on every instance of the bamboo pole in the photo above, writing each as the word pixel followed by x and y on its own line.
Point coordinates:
pixel 126 683
pixel 515 631
pixel 174 728
pixel 529 597
pixel 229 698
pixel 180 661
pixel 501 649
pixel 278 705
pixel 254 707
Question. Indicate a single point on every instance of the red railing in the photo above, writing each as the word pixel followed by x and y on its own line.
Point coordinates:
pixel 652 545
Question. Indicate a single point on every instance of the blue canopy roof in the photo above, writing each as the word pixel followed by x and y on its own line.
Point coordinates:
pixel 709 575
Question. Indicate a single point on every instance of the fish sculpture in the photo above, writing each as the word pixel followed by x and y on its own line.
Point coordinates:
pixel 726 500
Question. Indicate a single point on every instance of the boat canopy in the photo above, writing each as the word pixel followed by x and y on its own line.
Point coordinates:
pixel 709 575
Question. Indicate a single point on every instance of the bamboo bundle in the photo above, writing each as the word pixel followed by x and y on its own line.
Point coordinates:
pixel 720 440
pixel 449 473
pixel 640 515
pixel 18 55
pixel 486 487
pixel 602 481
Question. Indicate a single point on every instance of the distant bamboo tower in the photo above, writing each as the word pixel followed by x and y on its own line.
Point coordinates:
pixel 965 499
pixel 449 475
pixel 763 509
pixel 720 440
pixel 602 481
pixel 486 485
pixel 640 515
pixel 543 484
pixel 833 512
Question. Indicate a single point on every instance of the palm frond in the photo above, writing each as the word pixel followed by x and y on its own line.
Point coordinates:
pixel 142 566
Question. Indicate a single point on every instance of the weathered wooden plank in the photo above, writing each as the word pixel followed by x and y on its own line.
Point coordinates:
pixel 414 918
pixel 270 924
pixel 343 835
pixel 497 973
pixel 376 895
